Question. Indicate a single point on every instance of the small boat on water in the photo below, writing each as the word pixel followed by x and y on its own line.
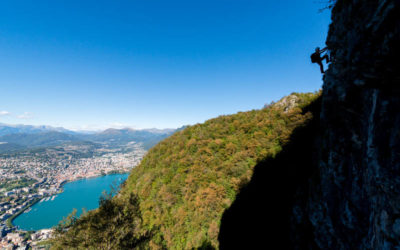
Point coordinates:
pixel 29 209
pixel 42 199
pixel 52 198
pixel 48 198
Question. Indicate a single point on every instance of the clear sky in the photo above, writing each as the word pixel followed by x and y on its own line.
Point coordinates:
pixel 94 64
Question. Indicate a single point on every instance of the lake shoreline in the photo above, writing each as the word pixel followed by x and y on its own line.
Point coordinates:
pixel 12 218
pixel 90 177
pixel 21 213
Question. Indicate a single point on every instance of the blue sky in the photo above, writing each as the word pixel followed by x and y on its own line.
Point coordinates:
pixel 142 64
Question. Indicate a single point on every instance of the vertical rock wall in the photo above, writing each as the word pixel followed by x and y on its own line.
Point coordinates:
pixel 354 199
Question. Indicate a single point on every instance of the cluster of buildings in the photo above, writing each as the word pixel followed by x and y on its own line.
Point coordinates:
pixel 25 241
pixel 17 201
pixel 14 241
pixel 100 165
pixel 27 178
pixel 65 164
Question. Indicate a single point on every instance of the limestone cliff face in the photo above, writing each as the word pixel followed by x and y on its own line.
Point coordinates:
pixel 353 201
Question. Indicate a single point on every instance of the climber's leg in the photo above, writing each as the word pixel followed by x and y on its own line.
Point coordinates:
pixel 321 66
pixel 326 57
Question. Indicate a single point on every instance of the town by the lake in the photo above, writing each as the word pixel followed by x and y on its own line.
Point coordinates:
pixel 37 176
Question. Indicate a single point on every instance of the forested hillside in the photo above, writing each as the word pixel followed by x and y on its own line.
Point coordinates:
pixel 186 182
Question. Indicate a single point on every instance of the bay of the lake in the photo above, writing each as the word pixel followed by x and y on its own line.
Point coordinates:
pixel 84 193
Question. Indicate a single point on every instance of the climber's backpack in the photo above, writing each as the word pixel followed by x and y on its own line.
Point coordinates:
pixel 315 57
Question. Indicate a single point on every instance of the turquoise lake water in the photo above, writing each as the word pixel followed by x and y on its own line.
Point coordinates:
pixel 79 194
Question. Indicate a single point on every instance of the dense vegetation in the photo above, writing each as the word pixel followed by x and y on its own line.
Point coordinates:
pixel 117 224
pixel 186 182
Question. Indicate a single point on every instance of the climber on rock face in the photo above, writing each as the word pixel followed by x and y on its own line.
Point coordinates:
pixel 316 58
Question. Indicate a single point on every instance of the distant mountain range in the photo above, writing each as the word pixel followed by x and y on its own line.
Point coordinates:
pixel 6 129
pixel 39 139
pixel 148 137
pixel 22 137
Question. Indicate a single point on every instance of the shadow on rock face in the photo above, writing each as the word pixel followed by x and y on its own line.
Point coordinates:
pixel 260 217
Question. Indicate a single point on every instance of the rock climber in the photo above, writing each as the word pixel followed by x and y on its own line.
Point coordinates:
pixel 316 58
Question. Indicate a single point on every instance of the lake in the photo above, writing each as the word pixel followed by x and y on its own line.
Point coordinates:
pixel 84 193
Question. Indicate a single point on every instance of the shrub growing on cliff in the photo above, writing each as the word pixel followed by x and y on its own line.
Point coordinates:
pixel 116 224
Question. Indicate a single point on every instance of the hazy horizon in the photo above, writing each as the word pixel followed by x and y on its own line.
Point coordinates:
pixel 86 130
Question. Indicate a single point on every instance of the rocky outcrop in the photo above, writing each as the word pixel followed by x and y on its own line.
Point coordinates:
pixel 288 102
pixel 353 199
